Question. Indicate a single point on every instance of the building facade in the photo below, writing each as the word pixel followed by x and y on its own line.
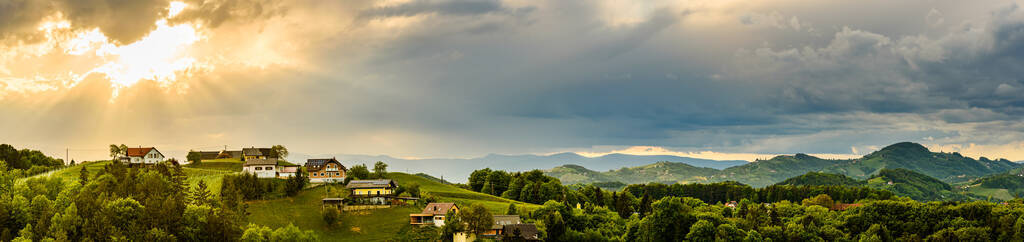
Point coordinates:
pixel 380 191
pixel 142 156
pixel 262 168
pixel 326 170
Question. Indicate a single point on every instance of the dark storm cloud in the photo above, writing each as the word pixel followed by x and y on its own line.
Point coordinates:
pixel 123 21
pixel 565 77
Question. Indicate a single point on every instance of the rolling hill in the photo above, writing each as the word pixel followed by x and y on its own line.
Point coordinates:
pixel 947 167
pixel 822 179
pixel 660 172
pixel 915 185
pixel 303 210
pixel 458 170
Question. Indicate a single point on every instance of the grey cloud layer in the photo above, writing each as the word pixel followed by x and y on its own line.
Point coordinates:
pixel 472 77
pixel 124 21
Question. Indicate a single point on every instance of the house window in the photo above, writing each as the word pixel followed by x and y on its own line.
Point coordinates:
pixel 259 168
pixel 270 168
pixel 321 174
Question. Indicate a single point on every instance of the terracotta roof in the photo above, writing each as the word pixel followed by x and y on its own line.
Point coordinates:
pixel 380 183
pixel 438 208
pixel 526 231
pixel 138 152
pixel 502 220
pixel 314 165
pixel 262 162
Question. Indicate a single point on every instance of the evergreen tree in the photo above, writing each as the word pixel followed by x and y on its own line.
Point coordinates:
pixel 511 209
pixel 201 195
pixel 83 176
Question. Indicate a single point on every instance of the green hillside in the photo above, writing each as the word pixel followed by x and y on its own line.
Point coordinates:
pixel 915 185
pixel 947 167
pixel 822 179
pixel 210 172
pixel 373 225
pixel 660 172
pixel 766 172
pixel 1006 186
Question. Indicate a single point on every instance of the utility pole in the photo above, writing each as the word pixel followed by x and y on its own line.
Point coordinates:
pixel 67 157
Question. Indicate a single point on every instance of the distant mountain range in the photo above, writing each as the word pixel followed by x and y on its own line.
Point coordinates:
pixel 458 170
pixel 947 167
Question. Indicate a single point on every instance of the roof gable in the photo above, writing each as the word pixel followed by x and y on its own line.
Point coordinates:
pixel 438 208
pixel 317 164
pixel 260 162
pixel 140 152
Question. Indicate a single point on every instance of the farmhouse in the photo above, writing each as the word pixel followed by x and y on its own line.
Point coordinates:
pixel 433 214
pixel 500 221
pixel 142 156
pixel 526 232
pixel 325 170
pixel 262 168
pixel 372 191
pixel 258 153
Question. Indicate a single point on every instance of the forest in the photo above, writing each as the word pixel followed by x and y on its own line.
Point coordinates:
pixel 704 212
pixel 119 203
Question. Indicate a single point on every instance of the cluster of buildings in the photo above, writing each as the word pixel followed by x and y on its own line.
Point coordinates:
pixel 434 214
pixel 265 163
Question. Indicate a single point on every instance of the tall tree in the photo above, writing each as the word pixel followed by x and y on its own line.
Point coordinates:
pixel 477 218
pixel 115 151
pixel 194 158
pixel 380 169
pixel 280 150
pixel 83 177
pixel 359 171
pixel 201 195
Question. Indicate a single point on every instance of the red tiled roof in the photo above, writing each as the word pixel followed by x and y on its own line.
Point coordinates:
pixel 438 208
pixel 138 152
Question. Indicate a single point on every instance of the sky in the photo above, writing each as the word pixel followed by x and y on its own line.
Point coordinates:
pixel 721 79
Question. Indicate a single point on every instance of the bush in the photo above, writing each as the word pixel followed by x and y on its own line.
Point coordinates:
pixel 330 215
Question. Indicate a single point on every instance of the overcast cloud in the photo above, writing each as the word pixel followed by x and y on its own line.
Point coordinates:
pixel 454 78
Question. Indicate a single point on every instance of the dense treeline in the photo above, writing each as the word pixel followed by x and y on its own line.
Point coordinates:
pixel 732 191
pixel 27 162
pixel 532 186
pixel 688 219
pixel 535 187
pixel 815 178
pixel 119 203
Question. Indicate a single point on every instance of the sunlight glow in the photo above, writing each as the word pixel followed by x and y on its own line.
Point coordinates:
pixel 175 9
pixel 159 56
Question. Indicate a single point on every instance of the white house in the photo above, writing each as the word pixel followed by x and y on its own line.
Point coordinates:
pixel 142 156
pixel 287 171
pixel 262 168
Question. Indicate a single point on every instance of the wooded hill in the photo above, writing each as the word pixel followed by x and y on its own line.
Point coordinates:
pixel 947 167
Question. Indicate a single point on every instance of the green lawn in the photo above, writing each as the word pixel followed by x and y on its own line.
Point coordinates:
pixel 462 197
pixel 374 225
pixel 304 212
pixel 231 164
pixel 997 193
pixel 72 173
